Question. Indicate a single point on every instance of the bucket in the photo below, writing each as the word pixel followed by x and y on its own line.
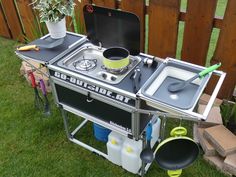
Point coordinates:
pixel 100 133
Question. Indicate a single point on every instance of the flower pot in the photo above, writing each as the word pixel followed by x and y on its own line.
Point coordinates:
pixel 57 29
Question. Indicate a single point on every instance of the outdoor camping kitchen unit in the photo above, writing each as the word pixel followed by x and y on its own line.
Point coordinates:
pixel 123 100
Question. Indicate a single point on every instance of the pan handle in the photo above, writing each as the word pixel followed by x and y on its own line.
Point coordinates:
pixel 178 131
pixel 174 173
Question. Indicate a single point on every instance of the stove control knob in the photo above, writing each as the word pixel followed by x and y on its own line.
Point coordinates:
pixel 104 76
pixel 148 61
pixel 113 78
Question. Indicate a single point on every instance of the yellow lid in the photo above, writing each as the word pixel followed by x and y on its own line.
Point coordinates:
pixel 113 141
pixel 129 149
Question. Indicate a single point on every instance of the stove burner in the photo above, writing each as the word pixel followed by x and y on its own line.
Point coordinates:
pixel 85 64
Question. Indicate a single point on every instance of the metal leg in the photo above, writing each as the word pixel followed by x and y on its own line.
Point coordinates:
pixel 70 136
pixel 163 127
pixel 65 120
pixel 143 163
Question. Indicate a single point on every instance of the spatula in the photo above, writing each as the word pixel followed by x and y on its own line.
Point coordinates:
pixel 178 86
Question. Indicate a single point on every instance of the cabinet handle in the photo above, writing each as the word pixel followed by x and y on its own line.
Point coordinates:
pixel 89 99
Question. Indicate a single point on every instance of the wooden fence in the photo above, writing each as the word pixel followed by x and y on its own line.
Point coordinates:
pixel 19 22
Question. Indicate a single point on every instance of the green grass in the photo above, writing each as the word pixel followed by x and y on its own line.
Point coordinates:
pixel 33 145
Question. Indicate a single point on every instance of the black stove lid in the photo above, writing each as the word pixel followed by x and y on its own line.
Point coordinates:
pixel 112 28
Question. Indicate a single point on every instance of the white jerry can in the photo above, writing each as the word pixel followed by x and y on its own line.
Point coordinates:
pixel 114 147
pixel 130 155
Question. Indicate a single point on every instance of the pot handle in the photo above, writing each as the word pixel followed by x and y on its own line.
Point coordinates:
pixel 174 173
pixel 178 131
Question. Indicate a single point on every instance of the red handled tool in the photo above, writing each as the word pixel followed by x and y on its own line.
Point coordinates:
pixel 37 99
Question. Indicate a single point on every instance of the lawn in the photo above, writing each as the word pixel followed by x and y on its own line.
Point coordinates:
pixel 34 145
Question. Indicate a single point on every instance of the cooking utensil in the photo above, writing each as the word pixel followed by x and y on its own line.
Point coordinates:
pixel 37 99
pixel 176 152
pixel 47 111
pixel 147 154
pixel 178 86
pixel 136 77
pixel 48 44
pixel 116 58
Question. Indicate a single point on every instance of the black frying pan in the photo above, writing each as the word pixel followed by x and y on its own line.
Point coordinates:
pixel 176 152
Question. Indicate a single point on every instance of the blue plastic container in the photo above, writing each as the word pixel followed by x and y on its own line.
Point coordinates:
pixel 101 133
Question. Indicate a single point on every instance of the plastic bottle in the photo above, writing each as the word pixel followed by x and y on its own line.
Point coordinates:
pixel 114 147
pixel 156 124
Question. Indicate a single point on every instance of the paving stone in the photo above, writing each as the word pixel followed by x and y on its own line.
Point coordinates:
pixel 230 164
pixel 214 117
pixel 28 67
pixel 216 161
pixel 204 99
pixel 221 139
pixel 195 135
pixel 206 146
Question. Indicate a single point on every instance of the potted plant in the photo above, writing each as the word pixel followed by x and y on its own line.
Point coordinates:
pixel 53 13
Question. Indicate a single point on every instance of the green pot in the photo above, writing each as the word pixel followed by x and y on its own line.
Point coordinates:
pixel 116 58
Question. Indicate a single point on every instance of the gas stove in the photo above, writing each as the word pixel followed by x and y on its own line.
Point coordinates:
pixel 88 60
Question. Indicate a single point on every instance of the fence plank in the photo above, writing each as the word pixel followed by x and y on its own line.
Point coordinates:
pixel 80 16
pixel 163 27
pixel 12 19
pixel 198 28
pixel 4 31
pixel 69 24
pixel 28 20
pixel 137 7
pixel 225 51
pixel 105 3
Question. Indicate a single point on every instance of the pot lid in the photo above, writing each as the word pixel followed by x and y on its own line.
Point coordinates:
pixel 112 27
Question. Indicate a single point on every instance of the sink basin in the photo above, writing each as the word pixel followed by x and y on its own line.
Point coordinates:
pixel 156 88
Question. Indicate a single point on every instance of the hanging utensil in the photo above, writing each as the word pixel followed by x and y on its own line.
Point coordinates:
pixel 47 111
pixel 176 152
pixel 178 86
pixel 147 154
pixel 47 44
pixel 37 99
